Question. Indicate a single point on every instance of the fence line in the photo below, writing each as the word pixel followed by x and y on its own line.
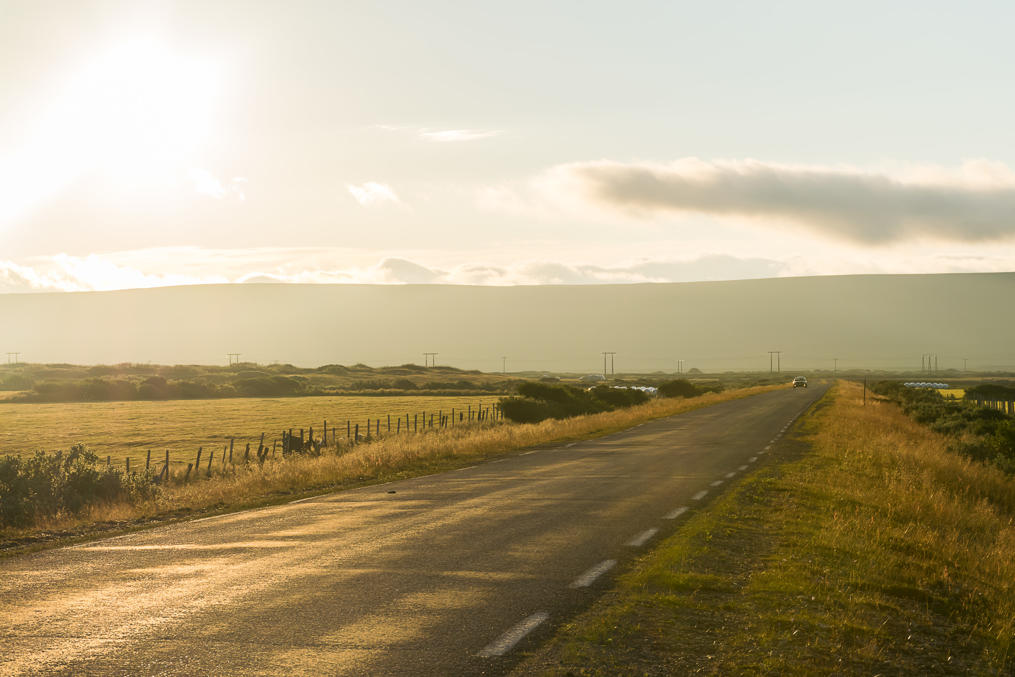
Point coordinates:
pixel 307 442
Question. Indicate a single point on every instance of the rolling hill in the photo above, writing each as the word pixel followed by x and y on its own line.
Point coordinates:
pixel 877 321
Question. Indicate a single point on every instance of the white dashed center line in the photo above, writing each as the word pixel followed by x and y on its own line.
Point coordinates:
pixel 642 538
pixel 674 514
pixel 742 468
pixel 507 641
pixel 589 577
pixel 717 483
pixel 700 495
pixel 730 474
pixel 752 459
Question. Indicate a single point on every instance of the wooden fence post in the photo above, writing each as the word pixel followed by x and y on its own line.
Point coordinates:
pixel 148 461
pixel 398 427
pixel 167 466
pixel 389 423
pixel 211 457
pixel 128 465
pixel 231 441
pixel 197 462
pixel 357 434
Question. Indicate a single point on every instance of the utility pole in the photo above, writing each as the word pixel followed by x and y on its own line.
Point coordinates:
pixel 964 360
pixel 429 359
pixel 503 365
pixel 778 357
pixel 835 367
pixel 611 354
pixel 15 356
pixel 680 366
pixel 234 358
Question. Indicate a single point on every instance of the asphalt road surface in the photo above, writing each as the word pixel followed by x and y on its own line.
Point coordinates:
pixel 450 574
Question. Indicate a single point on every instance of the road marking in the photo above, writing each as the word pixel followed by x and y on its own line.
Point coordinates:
pixel 700 495
pixel 499 460
pixel 752 459
pixel 530 452
pixel 642 538
pixel 470 467
pixel 717 483
pixel 730 475
pixel 507 641
pixel 674 514
pixel 215 517
pixel 590 576
pixel 569 445
pixel 742 468
pixel 298 500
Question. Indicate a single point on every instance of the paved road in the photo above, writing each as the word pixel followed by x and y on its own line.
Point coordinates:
pixel 449 574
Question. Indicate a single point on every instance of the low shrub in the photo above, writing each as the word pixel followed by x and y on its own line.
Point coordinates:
pixel 49 484
pixel 540 401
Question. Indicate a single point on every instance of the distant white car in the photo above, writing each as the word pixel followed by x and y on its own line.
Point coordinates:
pixel 800 382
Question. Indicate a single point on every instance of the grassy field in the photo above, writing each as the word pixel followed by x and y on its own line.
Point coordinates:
pixel 122 429
pixel 865 548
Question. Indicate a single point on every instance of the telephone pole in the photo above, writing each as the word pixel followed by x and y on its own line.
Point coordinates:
pixel 234 358
pixel 503 365
pixel 16 357
pixel 429 359
pixel 778 357
pixel 835 367
pixel 964 360
pixel 611 354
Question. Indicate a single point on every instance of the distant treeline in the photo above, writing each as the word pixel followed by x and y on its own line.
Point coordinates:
pixel 69 383
pixel 981 433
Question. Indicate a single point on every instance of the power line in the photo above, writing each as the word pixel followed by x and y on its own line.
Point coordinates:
pixel 429 359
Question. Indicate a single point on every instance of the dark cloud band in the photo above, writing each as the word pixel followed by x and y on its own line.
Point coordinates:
pixel 862 207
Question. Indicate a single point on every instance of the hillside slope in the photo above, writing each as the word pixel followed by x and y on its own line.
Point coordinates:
pixel 865 321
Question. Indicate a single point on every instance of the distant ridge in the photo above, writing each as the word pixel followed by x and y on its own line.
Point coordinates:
pixel 870 321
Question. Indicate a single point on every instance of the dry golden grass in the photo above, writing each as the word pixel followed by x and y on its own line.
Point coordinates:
pixel 875 551
pixel 122 429
pixel 389 457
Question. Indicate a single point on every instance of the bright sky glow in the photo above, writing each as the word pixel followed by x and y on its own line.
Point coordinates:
pixel 147 144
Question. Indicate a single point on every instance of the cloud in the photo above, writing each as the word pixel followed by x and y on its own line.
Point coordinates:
pixel 456 135
pixel 443 135
pixel 371 193
pixel 206 183
pixel 973 204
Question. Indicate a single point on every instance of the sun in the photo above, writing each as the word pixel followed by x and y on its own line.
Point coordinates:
pixel 141 108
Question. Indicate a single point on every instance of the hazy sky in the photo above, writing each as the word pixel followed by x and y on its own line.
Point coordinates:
pixel 151 143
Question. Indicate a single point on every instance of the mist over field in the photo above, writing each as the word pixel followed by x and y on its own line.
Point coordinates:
pixel 864 321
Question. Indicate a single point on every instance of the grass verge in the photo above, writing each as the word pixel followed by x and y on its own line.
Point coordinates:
pixel 387 458
pixel 866 548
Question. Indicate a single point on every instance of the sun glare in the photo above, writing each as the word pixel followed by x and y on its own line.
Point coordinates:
pixel 139 113
pixel 144 108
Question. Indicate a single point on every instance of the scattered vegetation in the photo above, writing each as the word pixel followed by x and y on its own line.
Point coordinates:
pixel 977 432
pixel 875 550
pixel 539 401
